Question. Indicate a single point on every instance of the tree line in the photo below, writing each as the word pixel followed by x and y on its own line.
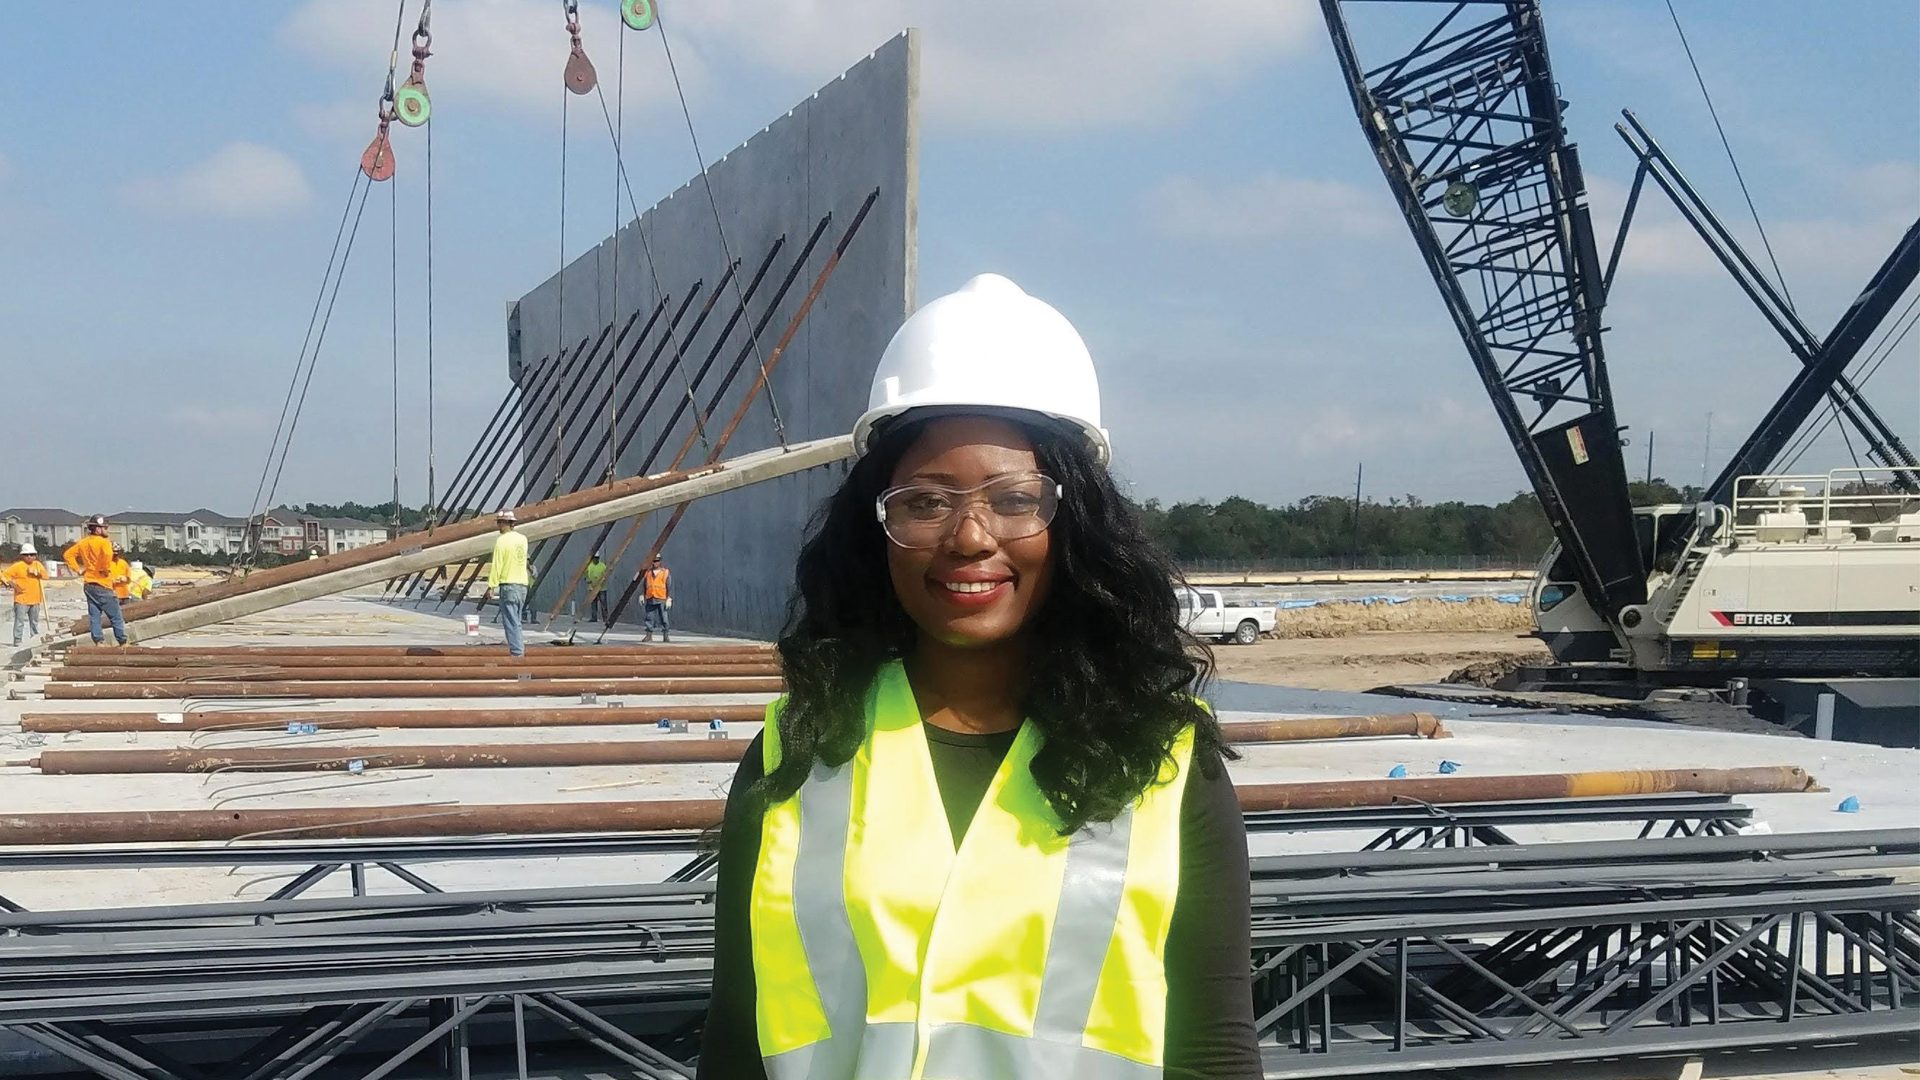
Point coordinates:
pixel 1326 526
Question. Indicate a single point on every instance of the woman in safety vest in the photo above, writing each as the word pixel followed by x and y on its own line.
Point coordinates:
pixel 987 835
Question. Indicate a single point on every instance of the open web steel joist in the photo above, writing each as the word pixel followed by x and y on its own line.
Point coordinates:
pixel 1364 964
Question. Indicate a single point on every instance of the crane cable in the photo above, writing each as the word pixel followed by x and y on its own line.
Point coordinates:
pixel 726 250
pixel 1833 406
pixel 1889 341
pixel 317 321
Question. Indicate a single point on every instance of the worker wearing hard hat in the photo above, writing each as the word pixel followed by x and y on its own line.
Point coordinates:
pixel 507 575
pixel 596 589
pixel 93 559
pixel 656 581
pixel 122 578
pixel 26 577
pixel 984 646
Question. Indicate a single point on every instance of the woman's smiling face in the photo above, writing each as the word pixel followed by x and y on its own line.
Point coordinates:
pixel 970 589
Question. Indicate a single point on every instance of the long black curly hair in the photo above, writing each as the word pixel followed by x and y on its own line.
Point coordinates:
pixel 1108 688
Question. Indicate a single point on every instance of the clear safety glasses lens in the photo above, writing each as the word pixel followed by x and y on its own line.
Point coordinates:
pixel 1009 508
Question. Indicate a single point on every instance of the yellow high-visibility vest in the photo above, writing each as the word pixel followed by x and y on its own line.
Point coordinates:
pixel 881 952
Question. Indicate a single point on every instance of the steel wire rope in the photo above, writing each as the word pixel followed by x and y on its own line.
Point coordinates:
pixel 1875 356
pixel 432 510
pixel 300 362
pixel 653 274
pixel 325 321
pixel 700 159
pixel 1889 343
pixel 393 317
pixel 620 124
pixel 249 550
pixel 1833 406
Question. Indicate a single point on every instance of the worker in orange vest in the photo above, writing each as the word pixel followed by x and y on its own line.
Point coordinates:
pixel 24 577
pixel 654 580
pixel 92 558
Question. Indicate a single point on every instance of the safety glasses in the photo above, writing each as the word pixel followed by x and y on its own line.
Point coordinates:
pixel 1008 507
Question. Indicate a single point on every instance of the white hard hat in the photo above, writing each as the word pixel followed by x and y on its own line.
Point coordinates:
pixel 29 549
pixel 137 565
pixel 988 345
pixel 505 515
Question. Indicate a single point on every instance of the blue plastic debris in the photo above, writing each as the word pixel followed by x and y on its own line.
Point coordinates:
pixel 357 765
pixel 1850 804
pixel 1398 772
pixel 664 725
pixel 1449 767
pixel 716 724
pixel 295 727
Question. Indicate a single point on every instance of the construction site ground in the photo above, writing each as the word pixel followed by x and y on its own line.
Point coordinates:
pixel 1323 671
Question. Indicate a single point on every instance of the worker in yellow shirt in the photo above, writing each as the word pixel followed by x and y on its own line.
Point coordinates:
pixel 655 580
pixel 24 577
pixel 139 582
pixel 507 575
pixel 597 588
pixel 93 559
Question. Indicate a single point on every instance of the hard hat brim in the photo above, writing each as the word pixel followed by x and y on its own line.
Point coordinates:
pixel 867 430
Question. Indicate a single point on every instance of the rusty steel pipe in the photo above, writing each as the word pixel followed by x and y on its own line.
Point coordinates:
pixel 111 654
pixel 1336 794
pixel 548 755
pixel 374 719
pixel 559 658
pixel 1418 724
pixel 176 826
pixel 382 673
pixel 522 687
pixel 665 751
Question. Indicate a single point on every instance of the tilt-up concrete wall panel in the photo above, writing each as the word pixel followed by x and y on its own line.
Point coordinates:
pixel 732 557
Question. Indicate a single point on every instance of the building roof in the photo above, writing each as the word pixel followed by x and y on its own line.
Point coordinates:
pixel 42 516
pixel 147 517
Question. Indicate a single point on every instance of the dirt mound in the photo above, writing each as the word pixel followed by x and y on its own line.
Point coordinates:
pixel 1340 620
pixel 1488 671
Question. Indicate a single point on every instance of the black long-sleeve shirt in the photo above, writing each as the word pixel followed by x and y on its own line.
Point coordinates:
pixel 1210 1032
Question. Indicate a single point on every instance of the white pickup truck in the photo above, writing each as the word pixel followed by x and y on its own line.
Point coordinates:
pixel 1207 614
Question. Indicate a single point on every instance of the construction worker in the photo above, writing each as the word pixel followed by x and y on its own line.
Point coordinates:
pixel 1000 658
pixel 507 575
pixel 596 589
pixel 122 579
pixel 93 559
pixel 139 583
pixel 25 576
pixel 655 587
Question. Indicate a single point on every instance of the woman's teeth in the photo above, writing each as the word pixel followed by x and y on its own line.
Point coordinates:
pixel 971 586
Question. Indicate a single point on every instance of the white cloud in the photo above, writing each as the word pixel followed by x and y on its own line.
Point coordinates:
pixel 1036 66
pixel 241 179
pixel 1266 206
pixel 502 54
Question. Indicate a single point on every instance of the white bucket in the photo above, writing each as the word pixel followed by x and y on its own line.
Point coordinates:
pixel 473 626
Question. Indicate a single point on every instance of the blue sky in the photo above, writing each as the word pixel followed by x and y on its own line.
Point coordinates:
pixel 1188 184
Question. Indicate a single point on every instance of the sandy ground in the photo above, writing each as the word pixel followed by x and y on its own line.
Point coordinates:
pixel 1366 660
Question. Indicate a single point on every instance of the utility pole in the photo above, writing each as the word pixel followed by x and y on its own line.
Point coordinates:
pixel 1706 453
pixel 1650 435
pixel 1358 472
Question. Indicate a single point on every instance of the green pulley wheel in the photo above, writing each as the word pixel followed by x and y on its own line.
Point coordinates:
pixel 637 14
pixel 1460 198
pixel 411 105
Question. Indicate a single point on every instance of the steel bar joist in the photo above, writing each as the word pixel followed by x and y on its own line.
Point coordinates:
pixel 1537 954
pixel 1464 117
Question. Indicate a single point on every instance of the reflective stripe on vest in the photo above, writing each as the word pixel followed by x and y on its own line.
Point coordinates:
pixel 881 953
